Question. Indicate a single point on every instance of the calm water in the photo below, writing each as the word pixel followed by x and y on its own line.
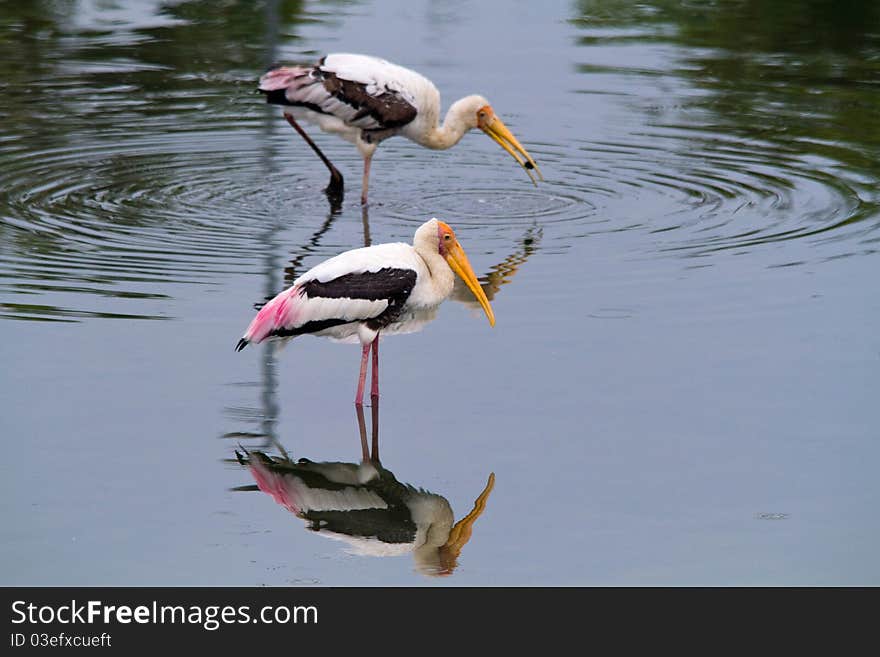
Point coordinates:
pixel 682 384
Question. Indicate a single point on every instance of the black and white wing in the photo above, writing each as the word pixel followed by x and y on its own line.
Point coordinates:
pixel 361 504
pixel 361 91
pixel 367 286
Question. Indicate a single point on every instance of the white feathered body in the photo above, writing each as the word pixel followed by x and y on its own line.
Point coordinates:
pixel 368 100
pixel 333 298
pixel 378 75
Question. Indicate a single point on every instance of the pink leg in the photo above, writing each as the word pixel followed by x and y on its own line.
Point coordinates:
pixel 366 182
pixel 374 388
pixel 359 398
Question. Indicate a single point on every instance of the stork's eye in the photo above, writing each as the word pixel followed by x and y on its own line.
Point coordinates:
pixel 482 115
pixel 447 237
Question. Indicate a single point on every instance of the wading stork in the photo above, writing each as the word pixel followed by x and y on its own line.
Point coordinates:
pixel 366 100
pixel 360 293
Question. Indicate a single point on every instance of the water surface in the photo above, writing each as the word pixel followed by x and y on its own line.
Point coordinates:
pixel 679 389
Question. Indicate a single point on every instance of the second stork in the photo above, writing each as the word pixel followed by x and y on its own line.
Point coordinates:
pixel 366 100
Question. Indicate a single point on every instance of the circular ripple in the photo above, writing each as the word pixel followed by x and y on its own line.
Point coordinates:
pixel 478 206
pixel 123 204
pixel 144 197
pixel 693 192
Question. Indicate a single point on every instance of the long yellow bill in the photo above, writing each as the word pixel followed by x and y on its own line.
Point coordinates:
pixel 461 531
pixel 460 264
pixel 504 138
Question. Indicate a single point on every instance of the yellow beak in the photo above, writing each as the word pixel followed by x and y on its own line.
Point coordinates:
pixel 460 264
pixel 504 138
pixel 461 531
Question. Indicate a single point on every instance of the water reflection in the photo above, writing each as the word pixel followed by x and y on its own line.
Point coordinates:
pixel 122 187
pixel 712 128
pixel 142 176
pixel 754 124
pixel 502 272
pixel 295 267
pixel 364 505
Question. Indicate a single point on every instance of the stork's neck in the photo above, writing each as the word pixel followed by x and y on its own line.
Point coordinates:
pixel 461 117
pixel 447 135
pixel 441 280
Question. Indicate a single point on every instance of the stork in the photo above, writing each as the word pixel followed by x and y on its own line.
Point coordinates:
pixel 366 100
pixel 360 293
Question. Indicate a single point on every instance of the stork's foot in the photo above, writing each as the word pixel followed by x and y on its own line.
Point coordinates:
pixel 336 184
pixel 335 190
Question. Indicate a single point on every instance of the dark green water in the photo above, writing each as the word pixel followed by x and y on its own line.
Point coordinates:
pixel 681 385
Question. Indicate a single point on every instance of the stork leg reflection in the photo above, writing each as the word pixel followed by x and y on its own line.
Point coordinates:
pixel 362 429
pixel 365 219
pixel 336 186
pixel 374 387
pixel 366 180
pixel 374 417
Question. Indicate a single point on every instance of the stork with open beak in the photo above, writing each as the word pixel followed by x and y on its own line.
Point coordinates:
pixel 366 100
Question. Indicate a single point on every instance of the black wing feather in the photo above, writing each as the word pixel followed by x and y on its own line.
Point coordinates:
pixel 389 108
pixel 389 283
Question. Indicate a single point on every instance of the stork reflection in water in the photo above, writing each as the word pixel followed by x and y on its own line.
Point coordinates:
pixel 364 505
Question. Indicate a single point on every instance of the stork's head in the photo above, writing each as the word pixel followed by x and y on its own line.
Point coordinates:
pixel 476 112
pixel 438 235
pixel 488 122
pixel 443 560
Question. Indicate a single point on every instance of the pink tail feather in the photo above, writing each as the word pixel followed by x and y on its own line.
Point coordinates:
pixel 276 485
pixel 285 77
pixel 281 312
